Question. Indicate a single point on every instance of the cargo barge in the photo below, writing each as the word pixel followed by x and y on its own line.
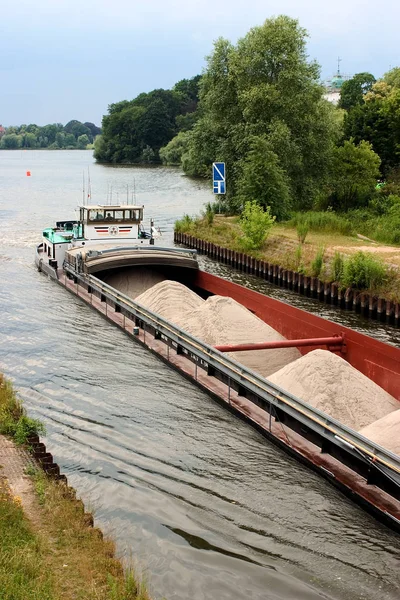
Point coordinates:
pixel 79 254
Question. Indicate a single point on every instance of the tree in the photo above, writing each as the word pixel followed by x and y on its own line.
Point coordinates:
pixel 172 153
pixel 265 87
pixel 94 130
pixel 30 140
pixel 354 90
pixel 100 149
pixel 70 141
pixel 355 172
pixel 189 87
pixel 11 141
pixel 82 141
pixel 189 90
pixel 264 179
pixel 49 132
pixel 60 139
pixel 377 121
pixel 392 77
pixel 134 131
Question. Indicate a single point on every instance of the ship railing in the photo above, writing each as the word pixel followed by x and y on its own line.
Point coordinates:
pixel 377 464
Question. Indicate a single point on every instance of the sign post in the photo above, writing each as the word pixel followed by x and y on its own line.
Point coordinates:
pixel 219 179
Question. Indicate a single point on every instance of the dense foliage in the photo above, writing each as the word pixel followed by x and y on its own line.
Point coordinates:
pixel 262 113
pixel 135 130
pixel 55 136
pixel 376 119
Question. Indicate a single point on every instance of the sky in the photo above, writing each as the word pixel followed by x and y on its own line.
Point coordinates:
pixel 70 59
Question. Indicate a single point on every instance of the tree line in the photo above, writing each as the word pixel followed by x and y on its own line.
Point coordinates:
pixel 73 135
pixel 135 130
pixel 259 107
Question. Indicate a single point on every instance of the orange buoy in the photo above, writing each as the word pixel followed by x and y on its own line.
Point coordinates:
pixel 28 173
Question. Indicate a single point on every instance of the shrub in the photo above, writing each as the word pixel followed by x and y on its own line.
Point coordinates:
pixel 318 262
pixel 185 224
pixel 298 256
pixel 209 213
pixel 256 224
pixel 363 271
pixel 337 267
pixel 13 420
pixel 302 231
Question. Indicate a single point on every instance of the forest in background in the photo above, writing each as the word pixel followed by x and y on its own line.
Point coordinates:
pixel 73 135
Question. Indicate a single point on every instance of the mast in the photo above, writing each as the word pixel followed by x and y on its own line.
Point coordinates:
pixel 89 195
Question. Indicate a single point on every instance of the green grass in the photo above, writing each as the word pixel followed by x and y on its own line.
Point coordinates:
pixel 318 262
pixel 23 572
pixel 324 221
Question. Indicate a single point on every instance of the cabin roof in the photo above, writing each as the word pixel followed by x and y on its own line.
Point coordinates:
pixel 110 206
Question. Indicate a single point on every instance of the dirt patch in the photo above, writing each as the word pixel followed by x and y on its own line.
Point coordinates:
pixel 14 462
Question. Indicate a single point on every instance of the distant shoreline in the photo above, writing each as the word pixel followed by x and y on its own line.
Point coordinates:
pixel 52 149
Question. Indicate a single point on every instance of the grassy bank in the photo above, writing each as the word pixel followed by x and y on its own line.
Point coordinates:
pixel 322 245
pixel 48 551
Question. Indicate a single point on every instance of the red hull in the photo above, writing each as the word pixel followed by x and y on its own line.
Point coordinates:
pixel 377 360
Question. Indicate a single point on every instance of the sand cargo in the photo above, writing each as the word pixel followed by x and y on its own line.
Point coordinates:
pixel 323 392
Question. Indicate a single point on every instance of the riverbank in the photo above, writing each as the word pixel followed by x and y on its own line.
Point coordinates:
pixel 49 548
pixel 312 258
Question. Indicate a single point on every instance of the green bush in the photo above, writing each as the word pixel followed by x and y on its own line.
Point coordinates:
pixel 13 420
pixel 363 271
pixel 337 267
pixel 302 231
pixel 318 262
pixel 185 224
pixel 256 225
pixel 297 258
pixel 209 214
pixel 381 221
pixel 325 221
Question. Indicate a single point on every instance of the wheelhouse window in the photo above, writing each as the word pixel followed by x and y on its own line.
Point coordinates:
pixel 120 216
pixel 96 215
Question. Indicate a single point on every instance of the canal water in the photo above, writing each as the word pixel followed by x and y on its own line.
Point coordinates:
pixel 203 504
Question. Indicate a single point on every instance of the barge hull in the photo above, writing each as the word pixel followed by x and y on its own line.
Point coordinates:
pixel 367 474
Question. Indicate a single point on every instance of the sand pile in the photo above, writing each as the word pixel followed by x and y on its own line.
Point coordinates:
pixel 170 300
pixel 330 384
pixel 222 320
pixel 219 320
pixel 133 281
pixel 385 432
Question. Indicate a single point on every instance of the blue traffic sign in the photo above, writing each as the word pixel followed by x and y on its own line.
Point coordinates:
pixel 219 178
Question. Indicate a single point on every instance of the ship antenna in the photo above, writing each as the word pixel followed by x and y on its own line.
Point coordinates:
pixel 89 195
pixel 83 188
pixel 127 193
pixel 134 190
